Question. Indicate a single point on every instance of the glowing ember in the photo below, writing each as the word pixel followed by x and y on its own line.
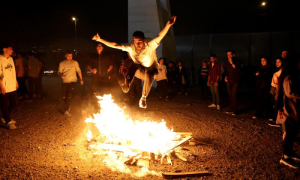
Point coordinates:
pixel 119 133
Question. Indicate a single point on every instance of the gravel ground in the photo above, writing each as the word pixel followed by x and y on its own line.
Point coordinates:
pixel 236 147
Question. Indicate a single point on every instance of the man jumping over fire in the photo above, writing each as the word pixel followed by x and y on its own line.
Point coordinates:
pixel 143 54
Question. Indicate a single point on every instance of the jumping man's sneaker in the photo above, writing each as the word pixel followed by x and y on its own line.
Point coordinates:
pixel 212 105
pixel 11 125
pixel 67 113
pixel 143 103
pixel 233 114
pixel 289 162
pixel 229 112
pixel 254 117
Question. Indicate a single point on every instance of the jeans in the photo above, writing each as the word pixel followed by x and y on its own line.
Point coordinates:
pixel 34 83
pixel 204 88
pixel 214 93
pixel 263 102
pixel 22 90
pixel 232 93
pixel 8 102
pixel 68 91
pixel 292 130
pixel 162 88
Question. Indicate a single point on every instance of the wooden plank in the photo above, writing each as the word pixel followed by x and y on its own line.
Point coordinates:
pixel 184 133
pixel 180 156
pixel 169 160
pixel 186 174
pixel 177 144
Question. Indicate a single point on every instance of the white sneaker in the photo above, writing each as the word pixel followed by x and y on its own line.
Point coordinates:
pixel 11 125
pixel 212 105
pixel 67 113
pixel 143 103
pixel 218 107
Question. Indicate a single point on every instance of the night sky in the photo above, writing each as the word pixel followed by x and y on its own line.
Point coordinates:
pixel 45 23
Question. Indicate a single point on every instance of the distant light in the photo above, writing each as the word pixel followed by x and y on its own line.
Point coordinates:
pixel 73 18
pixel 263 3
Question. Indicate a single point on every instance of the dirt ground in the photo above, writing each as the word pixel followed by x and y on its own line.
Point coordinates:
pixel 236 147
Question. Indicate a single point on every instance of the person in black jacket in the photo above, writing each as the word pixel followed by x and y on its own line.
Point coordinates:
pixel 264 75
pixel 232 75
pixel 171 76
pixel 181 78
pixel 288 114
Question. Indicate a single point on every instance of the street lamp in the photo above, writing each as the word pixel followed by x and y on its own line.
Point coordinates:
pixel 74 19
pixel 263 3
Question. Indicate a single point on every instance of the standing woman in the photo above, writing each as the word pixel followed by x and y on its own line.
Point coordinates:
pixel 274 91
pixel 181 78
pixel 263 98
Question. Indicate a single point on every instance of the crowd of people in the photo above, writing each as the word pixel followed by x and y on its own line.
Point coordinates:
pixel 277 88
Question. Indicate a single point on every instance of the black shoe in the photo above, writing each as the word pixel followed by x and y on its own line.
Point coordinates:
pixel 289 162
pixel 273 124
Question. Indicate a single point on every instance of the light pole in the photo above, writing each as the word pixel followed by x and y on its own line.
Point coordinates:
pixel 264 4
pixel 75 20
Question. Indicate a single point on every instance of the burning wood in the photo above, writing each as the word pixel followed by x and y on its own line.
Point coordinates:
pixel 138 141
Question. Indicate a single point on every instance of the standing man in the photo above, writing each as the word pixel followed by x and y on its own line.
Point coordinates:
pixel 214 73
pixel 8 86
pixel 20 71
pixel 143 53
pixel 67 71
pixel 34 68
pixel 232 79
pixel 102 69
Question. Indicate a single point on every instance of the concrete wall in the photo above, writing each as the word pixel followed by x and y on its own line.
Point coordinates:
pixel 193 49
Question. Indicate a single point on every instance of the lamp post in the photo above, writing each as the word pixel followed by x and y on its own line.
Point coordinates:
pixel 75 20
pixel 263 5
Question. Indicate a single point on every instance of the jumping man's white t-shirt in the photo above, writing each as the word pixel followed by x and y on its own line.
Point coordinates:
pixel 146 57
pixel 8 74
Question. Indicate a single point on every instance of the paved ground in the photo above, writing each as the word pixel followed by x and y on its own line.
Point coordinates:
pixel 238 147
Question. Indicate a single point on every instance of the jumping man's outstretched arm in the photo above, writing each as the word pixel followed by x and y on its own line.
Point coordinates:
pixel 107 43
pixel 163 32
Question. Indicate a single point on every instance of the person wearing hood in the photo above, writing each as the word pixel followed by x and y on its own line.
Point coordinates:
pixel 263 98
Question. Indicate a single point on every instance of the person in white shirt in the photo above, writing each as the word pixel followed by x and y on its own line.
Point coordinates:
pixel 143 54
pixel 8 86
pixel 67 71
pixel 162 80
